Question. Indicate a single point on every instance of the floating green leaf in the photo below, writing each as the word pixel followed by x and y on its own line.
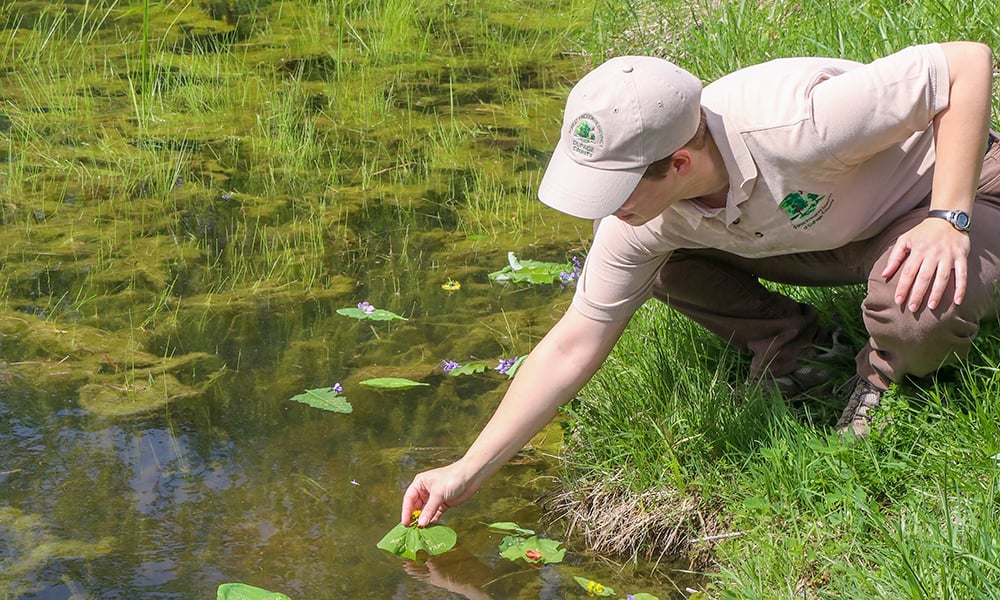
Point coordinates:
pixel 512 369
pixel 392 383
pixel 469 369
pixel 529 271
pixel 242 591
pixel 594 588
pixel 407 541
pixel 325 398
pixel 645 596
pixel 509 527
pixel 532 549
pixel 378 314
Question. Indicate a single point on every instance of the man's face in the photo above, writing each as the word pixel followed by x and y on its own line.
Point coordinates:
pixel 650 198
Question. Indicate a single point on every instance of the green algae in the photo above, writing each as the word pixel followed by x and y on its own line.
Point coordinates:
pixel 247 164
pixel 113 374
pixel 29 546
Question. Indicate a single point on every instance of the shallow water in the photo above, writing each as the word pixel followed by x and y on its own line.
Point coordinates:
pixel 177 233
pixel 243 485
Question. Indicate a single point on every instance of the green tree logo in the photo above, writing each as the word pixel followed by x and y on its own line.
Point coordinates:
pixel 799 205
pixel 585 130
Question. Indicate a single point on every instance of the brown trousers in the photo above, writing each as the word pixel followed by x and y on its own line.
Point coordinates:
pixel 723 292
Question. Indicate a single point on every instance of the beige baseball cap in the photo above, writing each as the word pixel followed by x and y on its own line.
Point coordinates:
pixel 621 117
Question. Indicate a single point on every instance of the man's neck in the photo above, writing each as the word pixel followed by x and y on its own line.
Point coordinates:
pixel 716 185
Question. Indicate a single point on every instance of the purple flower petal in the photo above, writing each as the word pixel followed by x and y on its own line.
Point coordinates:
pixel 504 365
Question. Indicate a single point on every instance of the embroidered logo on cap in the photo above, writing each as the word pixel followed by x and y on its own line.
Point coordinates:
pixel 587 134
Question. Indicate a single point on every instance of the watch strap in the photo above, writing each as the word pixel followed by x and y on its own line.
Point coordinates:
pixel 959 219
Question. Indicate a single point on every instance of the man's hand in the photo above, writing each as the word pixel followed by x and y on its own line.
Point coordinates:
pixel 926 258
pixel 435 491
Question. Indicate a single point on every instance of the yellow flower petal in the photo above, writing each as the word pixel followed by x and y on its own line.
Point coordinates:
pixel 451 285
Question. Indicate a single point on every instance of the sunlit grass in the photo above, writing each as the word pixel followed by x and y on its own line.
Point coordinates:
pixel 760 493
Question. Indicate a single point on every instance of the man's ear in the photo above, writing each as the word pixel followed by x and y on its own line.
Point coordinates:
pixel 680 161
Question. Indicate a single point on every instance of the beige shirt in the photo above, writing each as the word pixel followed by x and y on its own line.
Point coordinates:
pixel 820 152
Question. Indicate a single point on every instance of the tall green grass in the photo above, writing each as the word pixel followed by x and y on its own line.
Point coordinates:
pixel 764 495
pixel 761 494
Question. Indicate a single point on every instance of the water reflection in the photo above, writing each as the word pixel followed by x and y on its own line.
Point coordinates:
pixel 287 498
pixel 458 572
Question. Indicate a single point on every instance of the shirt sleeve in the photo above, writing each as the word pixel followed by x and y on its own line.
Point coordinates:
pixel 863 111
pixel 619 272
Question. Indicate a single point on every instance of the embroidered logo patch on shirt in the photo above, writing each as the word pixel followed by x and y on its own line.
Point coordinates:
pixel 587 135
pixel 805 209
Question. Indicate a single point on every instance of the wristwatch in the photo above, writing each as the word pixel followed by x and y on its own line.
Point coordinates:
pixel 959 219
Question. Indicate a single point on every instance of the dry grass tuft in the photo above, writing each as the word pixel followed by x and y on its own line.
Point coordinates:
pixel 654 524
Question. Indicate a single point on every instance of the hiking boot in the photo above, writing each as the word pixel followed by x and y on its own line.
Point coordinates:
pixel 815 371
pixel 861 407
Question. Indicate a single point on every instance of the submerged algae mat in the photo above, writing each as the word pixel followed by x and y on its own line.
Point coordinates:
pixel 179 185
pixel 114 376
pixel 31 546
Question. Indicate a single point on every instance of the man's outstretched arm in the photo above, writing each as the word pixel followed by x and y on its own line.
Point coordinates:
pixel 558 367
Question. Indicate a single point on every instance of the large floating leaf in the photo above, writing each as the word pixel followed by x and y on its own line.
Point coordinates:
pixel 509 527
pixel 532 549
pixel 379 314
pixel 391 383
pixel 468 369
pixel 242 591
pixel 407 541
pixel 326 399
pixel 529 271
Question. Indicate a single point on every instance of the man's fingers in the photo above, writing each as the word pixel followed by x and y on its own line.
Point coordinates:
pixel 938 287
pixel 932 282
pixel 413 499
pixel 432 511
pixel 924 267
pixel 961 280
pixel 908 282
pixel 922 284
pixel 896 256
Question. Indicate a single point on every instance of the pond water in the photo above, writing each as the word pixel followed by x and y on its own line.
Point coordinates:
pixel 246 486
pixel 188 194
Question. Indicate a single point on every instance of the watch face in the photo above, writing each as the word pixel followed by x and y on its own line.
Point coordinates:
pixel 961 219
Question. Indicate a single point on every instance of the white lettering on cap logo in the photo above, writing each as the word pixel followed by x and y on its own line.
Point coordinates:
pixel 587 135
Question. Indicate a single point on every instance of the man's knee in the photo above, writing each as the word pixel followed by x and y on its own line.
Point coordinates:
pixel 919 343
